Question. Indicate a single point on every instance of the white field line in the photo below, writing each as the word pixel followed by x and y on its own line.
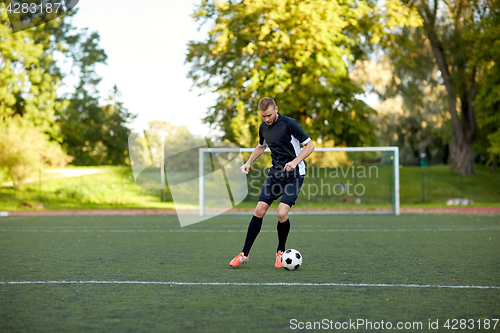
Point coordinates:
pixel 157 227
pixel 9 218
pixel 171 283
pixel 241 230
pixel 371 226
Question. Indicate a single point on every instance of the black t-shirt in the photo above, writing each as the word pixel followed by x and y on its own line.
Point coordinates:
pixel 284 138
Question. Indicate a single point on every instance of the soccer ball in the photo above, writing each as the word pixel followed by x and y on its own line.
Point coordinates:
pixel 291 259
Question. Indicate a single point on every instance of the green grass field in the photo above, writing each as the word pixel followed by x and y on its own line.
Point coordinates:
pixel 432 251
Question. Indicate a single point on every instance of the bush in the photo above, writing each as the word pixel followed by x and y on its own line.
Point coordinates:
pixel 25 149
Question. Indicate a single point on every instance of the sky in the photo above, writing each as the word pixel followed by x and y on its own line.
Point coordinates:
pixel 146 42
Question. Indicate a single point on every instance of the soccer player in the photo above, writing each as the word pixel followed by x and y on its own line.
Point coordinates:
pixel 283 135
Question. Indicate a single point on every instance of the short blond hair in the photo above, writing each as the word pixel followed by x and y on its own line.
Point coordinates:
pixel 265 103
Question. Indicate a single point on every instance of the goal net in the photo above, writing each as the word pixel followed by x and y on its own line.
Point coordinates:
pixel 357 180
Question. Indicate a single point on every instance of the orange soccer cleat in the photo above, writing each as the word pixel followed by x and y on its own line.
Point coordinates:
pixel 238 260
pixel 278 263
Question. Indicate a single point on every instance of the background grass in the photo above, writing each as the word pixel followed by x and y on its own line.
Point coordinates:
pixel 411 249
pixel 115 187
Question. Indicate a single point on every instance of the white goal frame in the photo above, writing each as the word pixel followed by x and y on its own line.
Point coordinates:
pixel 395 165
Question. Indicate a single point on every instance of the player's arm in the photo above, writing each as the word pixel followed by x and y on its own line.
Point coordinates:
pixel 255 155
pixel 306 151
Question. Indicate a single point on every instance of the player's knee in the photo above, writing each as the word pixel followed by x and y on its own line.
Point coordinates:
pixel 260 212
pixel 282 216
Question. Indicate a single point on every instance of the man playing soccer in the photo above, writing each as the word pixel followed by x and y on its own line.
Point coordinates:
pixel 283 135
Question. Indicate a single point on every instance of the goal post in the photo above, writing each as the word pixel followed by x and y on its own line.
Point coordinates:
pixel 342 180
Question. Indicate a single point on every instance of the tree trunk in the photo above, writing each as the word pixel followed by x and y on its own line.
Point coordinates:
pixel 461 152
pixel 461 157
pixel 463 131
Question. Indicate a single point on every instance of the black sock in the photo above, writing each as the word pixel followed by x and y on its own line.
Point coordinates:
pixel 283 229
pixel 253 231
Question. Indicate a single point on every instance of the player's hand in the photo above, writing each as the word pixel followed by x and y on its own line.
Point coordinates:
pixel 245 168
pixel 290 166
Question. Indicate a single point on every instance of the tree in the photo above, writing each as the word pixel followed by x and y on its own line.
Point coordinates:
pixel 448 30
pixel 297 52
pixel 181 152
pixel 115 130
pixel 93 133
pixel 147 148
pixel 177 139
pixel 96 134
pixel 28 75
pixel 487 103
pixel 25 149
pixel 412 113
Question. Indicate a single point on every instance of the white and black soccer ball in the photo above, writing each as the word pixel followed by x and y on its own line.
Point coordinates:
pixel 291 259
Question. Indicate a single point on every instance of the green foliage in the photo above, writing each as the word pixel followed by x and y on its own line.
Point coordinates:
pixel 25 149
pixel 457 31
pixel 412 113
pixel 177 139
pixel 95 134
pixel 29 79
pixel 180 155
pixel 28 76
pixel 297 52
pixel 487 102
pixel 463 36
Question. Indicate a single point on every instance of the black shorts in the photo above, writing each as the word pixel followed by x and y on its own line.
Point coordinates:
pixel 288 188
